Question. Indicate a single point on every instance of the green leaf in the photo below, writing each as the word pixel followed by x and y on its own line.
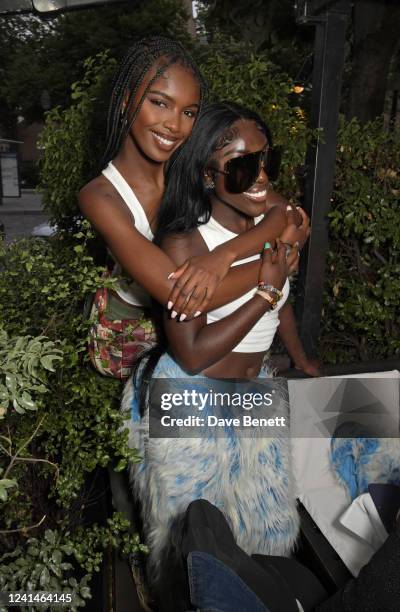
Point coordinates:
pixel 26 402
pixel 50 536
pixel 44 578
pixel 85 592
pixel 56 556
pixel 11 382
pixel 8 483
pixel 17 407
pixel 121 465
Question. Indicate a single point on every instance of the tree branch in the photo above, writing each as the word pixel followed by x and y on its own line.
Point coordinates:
pixel 8 531
pixel 24 445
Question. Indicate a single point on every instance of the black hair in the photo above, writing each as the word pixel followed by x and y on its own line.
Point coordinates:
pixel 128 78
pixel 186 201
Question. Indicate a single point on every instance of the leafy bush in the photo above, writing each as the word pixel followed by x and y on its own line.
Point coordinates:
pixel 21 360
pixel 361 318
pixel 61 420
pixel 73 141
pixel 50 564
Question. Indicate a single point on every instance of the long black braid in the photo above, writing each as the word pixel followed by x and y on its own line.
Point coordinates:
pixel 128 78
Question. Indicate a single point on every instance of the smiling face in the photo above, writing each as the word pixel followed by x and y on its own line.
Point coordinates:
pixel 246 137
pixel 167 114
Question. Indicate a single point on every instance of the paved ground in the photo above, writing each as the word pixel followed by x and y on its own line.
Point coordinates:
pixel 20 215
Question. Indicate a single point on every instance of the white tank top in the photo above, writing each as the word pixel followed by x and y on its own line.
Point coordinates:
pixel 260 337
pixel 128 289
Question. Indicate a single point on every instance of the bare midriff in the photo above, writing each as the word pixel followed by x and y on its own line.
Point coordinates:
pixel 236 365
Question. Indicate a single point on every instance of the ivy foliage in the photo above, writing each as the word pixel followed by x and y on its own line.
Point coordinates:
pixel 5 484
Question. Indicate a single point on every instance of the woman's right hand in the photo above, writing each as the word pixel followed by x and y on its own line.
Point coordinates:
pixel 195 282
pixel 275 266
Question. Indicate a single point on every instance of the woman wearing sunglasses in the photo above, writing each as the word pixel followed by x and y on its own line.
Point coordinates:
pixel 221 173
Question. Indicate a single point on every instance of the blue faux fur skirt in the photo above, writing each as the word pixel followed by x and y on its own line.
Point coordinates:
pixel 248 479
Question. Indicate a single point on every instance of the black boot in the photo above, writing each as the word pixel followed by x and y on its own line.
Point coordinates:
pixel 206 530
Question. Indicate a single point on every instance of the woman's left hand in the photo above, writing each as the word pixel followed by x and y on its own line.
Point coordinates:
pixel 312 367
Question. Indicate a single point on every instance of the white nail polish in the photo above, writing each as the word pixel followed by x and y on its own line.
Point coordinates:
pixel 289 208
pixel 170 275
pixel 169 305
pixel 173 314
pixel 182 317
pixel 197 313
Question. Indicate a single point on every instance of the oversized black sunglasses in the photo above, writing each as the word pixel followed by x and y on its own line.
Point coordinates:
pixel 242 172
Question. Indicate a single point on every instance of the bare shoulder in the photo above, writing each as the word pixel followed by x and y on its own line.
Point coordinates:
pixel 96 190
pixel 99 196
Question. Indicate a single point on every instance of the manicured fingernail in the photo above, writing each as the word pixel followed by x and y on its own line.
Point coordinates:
pixel 169 305
pixel 197 313
pixel 267 246
pixel 297 207
pixel 288 207
pixel 296 244
pixel 170 275
pixel 173 314
pixel 182 317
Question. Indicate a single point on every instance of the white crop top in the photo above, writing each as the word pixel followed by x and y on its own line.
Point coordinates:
pixel 128 289
pixel 260 337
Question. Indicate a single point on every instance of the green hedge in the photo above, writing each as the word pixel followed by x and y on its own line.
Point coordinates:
pixel 59 420
pixel 73 140
pixel 361 317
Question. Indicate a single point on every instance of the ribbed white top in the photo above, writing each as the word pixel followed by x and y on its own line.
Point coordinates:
pixel 261 335
pixel 128 289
